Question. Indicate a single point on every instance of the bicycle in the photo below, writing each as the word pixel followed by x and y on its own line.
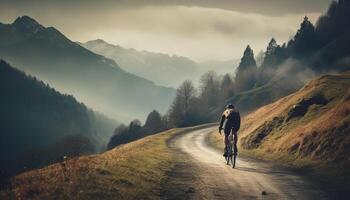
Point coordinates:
pixel 231 154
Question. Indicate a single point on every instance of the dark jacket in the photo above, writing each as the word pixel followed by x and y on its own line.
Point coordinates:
pixel 230 120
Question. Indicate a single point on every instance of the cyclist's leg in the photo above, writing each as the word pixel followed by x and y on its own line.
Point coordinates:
pixel 235 139
pixel 226 141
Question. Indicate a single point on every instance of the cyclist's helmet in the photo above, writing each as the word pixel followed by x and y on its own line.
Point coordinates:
pixel 230 106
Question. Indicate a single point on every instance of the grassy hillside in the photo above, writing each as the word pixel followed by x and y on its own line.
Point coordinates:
pixel 131 171
pixel 308 130
pixel 311 125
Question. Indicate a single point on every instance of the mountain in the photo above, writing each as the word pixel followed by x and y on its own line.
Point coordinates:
pixel 162 68
pixel 311 124
pixel 69 67
pixel 40 125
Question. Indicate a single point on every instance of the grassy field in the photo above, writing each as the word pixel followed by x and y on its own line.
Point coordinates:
pixel 131 171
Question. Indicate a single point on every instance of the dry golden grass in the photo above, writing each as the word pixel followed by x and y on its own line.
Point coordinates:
pixel 130 171
pixel 321 136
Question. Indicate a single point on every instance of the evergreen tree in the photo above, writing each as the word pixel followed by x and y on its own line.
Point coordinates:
pixel 260 58
pixel 333 30
pixel 247 71
pixel 270 55
pixel 273 58
pixel 134 126
pixel 305 41
pixel 335 22
pixel 154 122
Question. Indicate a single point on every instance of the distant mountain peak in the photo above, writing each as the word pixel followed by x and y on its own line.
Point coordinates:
pixel 98 41
pixel 26 23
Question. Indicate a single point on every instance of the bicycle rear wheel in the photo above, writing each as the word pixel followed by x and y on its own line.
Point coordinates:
pixel 232 157
pixel 234 161
pixel 228 155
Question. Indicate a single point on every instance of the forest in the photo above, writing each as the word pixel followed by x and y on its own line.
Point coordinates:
pixel 40 125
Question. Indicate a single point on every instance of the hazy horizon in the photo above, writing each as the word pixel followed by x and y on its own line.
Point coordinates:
pixel 200 30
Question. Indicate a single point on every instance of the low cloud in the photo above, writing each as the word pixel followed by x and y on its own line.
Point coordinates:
pixel 197 32
pixel 200 33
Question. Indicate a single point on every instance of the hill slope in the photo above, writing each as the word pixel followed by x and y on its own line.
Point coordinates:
pixel 311 125
pixel 93 79
pixel 253 99
pixel 162 68
pixel 131 171
pixel 40 125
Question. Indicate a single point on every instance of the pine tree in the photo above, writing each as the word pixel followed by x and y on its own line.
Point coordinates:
pixel 305 41
pixel 273 58
pixel 247 71
pixel 154 122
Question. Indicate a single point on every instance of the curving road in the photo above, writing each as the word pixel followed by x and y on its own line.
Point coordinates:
pixel 208 177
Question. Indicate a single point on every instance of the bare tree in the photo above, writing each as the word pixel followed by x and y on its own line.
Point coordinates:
pixel 183 103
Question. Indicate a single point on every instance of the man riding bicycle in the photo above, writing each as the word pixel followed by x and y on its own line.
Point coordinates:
pixel 230 122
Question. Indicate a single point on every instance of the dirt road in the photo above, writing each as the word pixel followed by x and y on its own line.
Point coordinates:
pixel 203 174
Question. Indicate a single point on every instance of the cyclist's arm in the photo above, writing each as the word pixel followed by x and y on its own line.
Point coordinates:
pixel 222 121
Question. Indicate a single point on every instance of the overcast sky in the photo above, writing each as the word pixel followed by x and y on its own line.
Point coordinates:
pixel 199 29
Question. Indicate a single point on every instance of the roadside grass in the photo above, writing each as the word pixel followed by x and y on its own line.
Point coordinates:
pixel 131 171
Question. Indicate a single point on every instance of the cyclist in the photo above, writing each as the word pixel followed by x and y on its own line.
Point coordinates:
pixel 230 122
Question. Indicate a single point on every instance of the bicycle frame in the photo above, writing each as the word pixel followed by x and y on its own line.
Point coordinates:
pixel 230 154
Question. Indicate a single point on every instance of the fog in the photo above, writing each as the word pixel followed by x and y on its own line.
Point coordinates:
pixel 200 30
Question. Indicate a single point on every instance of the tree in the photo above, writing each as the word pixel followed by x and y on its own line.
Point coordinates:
pixel 209 90
pixel 247 70
pixel 134 126
pixel 333 31
pixel 226 87
pixel 335 22
pixel 260 58
pixel 305 41
pixel 273 58
pixel 120 129
pixel 183 104
pixel 154 122
pixel 271 47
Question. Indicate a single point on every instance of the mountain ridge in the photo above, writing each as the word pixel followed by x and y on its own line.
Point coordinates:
pixel 164 69
pixel 36 120
pixel 70 68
